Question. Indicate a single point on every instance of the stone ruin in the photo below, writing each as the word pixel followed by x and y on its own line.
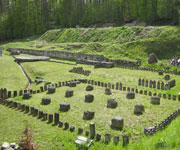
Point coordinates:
pixel 138 109
pixel 152 58
pixel 111 103
pixel 64 107
pixel 80 70
pixel 130 95
pixel 69 93
pixel 89 98
pixel 88 115
pixel 155 100
pixel 46 101
pixel 117 123
pixel 89 88
pixel 97 64
pixel 108 91
pixel 51 89
pixel 27 95
pixel 167 77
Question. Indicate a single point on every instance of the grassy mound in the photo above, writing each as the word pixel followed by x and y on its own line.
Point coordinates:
pixel 164 41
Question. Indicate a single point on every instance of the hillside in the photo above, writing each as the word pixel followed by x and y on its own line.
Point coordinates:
pixel 130 43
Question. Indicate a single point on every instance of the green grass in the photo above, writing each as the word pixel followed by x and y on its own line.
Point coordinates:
pixel 11 76
pixel 122 43
pixel 55 72
pixel 129 43
pixel 49 137
pixel 134 125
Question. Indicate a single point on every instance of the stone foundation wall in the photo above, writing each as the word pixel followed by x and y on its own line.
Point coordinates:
pixel 76 56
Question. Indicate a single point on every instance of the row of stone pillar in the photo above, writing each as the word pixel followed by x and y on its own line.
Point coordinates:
pixel 119 86
pixel 162 125
pixel 153 84
pixel 55 118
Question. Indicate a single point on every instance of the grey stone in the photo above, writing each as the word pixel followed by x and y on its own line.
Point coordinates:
pixel 152 58
pixel 125 140
pixel 117 123
pixel 64 107
pixel 88 115
pixel 72 84
pixel 87 133
pixel 89 88
pixel 72 128
pixel 171 84
pixel 66 125
pixel 155 100
pixel 13 145
pixel 167 77
pixel 69 93
pixel 111 103
pixel 138 109
pixel 139 82
pixel 60 124
pixel 107 138
pixel 108 91
pixel 51 90
pixel 160 73
pixel 82 142
pixel 116 140
pixel 130 95
pixel 46 101
pixel 27 95
pixel 50 118
pixel 5 146
pixel 56 118
pixel 92 130
pixel 98 137
pixel 80 130
pixel 89 98
pixel 147 129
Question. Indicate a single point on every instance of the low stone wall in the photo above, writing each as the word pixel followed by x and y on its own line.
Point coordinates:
pixel 162 125
pixel 76 56
pixel 97 64
pixel 60 54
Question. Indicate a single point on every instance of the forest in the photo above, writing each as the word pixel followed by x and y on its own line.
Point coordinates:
pixel 23 18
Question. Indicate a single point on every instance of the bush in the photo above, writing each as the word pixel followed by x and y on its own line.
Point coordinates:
pixel 26 142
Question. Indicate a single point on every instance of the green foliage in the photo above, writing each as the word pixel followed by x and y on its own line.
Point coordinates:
pixel 22 18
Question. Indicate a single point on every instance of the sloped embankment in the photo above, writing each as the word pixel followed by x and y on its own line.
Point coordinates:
pixel 134 42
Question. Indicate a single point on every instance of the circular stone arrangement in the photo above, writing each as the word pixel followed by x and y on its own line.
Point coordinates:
pixel 64 107
pixel 51 90
pixel 69 93
pixel 27 95
pixel 117 123
pixel 138 109
pixel 88 115
pixel 111 103
pixel 89 88
pixel 108 91
pixel 130 95
pixel 89 98
pixel 155 100
pixel 46 101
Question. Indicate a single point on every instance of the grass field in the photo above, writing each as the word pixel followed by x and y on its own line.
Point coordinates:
pixel 122 43
pixel 11 76
pixel 55 72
